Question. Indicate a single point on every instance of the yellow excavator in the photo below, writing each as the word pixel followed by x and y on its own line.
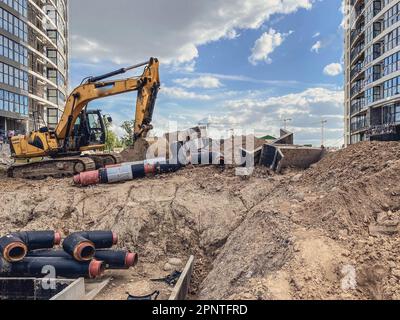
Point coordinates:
pixel 82 131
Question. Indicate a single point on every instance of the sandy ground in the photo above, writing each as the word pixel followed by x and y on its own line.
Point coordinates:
pixel 330 232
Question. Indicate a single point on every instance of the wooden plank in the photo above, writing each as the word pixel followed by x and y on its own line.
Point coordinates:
pixel 182 287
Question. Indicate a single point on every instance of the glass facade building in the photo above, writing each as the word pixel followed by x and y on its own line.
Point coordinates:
pixel 33 64
pixel 372 70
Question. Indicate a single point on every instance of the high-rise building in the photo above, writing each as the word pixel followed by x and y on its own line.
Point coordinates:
pixel 33 63
pixel 372 70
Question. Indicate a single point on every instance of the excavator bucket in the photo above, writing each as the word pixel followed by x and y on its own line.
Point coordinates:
pixel 137 152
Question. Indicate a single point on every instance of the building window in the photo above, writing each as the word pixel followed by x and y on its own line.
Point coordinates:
pixel 392 39
pixel 391 16
pixel 52 95
pixel 391 87
pixel 13 102
pixel 13 77
pixel 52 118
pixel 13 51
pixel 13 25
pixel 391 114
pixel 52 55
pixel 21 6
pixel 52 75
pixel 358 122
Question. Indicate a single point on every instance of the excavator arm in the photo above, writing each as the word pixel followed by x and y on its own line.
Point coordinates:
pixel 147 85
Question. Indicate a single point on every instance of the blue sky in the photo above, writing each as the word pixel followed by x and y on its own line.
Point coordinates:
pixel 246 68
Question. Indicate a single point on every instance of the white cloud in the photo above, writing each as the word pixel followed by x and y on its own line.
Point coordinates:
pixel 306 108
pixel 130 31
pixel 265 45
pixel 315 48
pixel 205 82
pixel 179 93
pixel 333 69
pixel 248 110
pixel 299 101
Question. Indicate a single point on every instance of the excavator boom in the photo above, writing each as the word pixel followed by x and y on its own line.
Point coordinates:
pixel 147 85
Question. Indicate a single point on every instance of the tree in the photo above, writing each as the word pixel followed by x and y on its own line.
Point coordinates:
pixel 129 128
pixel 112 140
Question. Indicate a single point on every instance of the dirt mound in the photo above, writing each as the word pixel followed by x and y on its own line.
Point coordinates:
pixel 330 232
pixel 353 163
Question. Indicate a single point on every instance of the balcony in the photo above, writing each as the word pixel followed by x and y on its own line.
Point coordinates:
pixel 356 71
pixel 357 106
pixel 356 32
pixel 356 51
pixel 357 88
pixel 359 125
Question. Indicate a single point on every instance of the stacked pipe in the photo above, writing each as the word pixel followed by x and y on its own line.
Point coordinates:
pixel 84 254
pixel 125 172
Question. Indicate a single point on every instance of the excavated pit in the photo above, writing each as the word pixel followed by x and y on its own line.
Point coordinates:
pixel 324 233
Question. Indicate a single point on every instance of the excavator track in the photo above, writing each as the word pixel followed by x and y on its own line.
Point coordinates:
pixel 105 159
pixel 52 168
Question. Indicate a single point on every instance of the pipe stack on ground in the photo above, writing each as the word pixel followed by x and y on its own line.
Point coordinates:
pixel 125 172
pixel 84 254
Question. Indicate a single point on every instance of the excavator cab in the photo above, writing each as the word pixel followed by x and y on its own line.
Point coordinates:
pixel 89 130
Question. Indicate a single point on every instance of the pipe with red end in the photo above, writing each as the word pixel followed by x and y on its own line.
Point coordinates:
pixel 14 247
pixel 124 173
pixel 113 259
pixel 63 267
pixel 87 178
pixel 117 259
pixel 82 245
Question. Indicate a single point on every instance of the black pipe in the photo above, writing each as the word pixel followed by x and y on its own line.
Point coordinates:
pixel 113 259
pixel 34 267
pixel 14 247
pixel 82 245
pixel 168 167
pixel 49 253
pixel 117 259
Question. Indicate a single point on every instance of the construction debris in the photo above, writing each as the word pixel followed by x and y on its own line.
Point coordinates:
pixel 150 297
pixel 171 279
pixel 279 157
